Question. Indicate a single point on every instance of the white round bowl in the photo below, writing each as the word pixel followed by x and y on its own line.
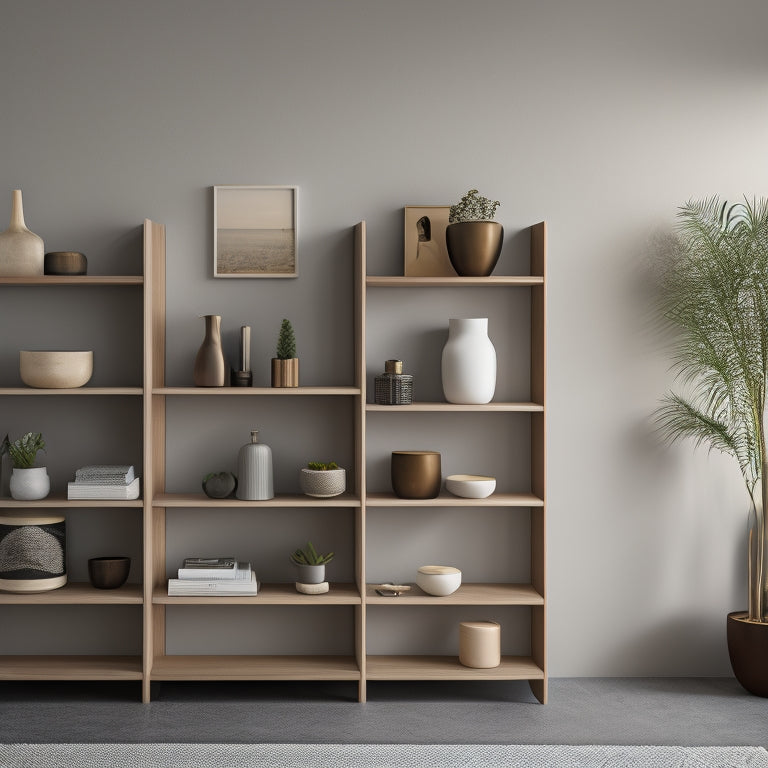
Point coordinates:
pixel 438 580
pixel 470 486
pixel 55 370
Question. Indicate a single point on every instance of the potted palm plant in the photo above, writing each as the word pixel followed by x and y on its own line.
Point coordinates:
pixel 29 482
pixel 472 237
pixel 285 365
pixel 715 297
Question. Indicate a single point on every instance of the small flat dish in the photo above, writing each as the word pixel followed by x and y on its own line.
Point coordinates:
pixel 470 486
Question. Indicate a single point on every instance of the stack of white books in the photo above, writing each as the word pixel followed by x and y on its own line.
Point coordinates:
pixel 214 576
pixel 104 481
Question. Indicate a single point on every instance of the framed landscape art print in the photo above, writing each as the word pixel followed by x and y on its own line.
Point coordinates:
pixel 255 232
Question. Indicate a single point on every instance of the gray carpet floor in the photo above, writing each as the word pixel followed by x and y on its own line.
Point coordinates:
pixel 664 711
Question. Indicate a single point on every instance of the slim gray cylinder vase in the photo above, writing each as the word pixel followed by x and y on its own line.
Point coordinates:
pixel 254 471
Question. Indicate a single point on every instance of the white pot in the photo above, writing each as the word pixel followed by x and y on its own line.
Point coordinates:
pixel 469 362
pixel 30 484
pixel 439 580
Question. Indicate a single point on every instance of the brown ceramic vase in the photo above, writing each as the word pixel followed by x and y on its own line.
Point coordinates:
pixel 474 246
pixel 416 474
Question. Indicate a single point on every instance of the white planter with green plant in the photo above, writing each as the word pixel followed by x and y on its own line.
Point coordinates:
pixel 28 481
pixel 472 236
pixel 715 298
pixel 322 480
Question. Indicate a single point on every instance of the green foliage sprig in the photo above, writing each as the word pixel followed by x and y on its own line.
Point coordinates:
pixel 23 452
pixel 473 207
pixel 318 465
pixel 286 341
pixel 715 298
pixel 309 556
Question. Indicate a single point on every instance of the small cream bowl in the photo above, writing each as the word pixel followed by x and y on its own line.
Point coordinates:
pixel 56 370
pixel 438 580
pixel 470 486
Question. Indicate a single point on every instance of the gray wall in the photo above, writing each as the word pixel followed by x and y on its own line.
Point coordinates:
pixel 599 116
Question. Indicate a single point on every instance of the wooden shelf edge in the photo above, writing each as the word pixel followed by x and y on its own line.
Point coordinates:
pixel 242 667
pixel 37 667
pixel 197 500
pixel 473 593
pixel 398 281
pixel 494 500
pixel 256 391
pixel 59 501
pixel 82 391
pixel 270 594
pixel 74 280
pixel 444 407
pixel 77 593
pixel 449 668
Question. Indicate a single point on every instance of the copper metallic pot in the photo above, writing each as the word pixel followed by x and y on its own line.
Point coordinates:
pixel 474 247
pixel 416 474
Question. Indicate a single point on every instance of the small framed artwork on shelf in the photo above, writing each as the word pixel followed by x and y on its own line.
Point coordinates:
pixel 426 254
pixel 255 231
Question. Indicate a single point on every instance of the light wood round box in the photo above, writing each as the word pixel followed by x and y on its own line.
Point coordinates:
pixel 480 644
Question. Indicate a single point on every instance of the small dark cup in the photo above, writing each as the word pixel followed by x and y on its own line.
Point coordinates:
pixel 65 263
pixel 108 572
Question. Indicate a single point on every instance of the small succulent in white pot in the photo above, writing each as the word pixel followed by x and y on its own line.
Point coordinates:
pixel 29 482
pixel 311 564
pixel 473 238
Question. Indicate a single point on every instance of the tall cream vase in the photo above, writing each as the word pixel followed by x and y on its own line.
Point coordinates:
pixel 21 251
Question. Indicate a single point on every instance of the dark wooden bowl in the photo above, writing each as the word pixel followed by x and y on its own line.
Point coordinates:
pixel 108 572
pixel 65 263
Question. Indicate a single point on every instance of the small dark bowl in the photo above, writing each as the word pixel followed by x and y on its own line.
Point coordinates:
pixel 108 572
pixel 65 263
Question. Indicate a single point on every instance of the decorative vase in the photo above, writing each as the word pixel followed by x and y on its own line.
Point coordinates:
pixel 21 251
pixel 747 641
pixel 469 362
pixel 30 484
pixel 219 485
pixel 210 367
pixel 393 387
pixel 254 471
pixel 416 474
pixel 474 246
pixel 285 373
pixel 32 552
pixel 322 483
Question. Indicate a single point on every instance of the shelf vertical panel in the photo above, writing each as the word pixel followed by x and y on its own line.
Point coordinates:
pixel 153 432
pixel 538 454
pixel 360 269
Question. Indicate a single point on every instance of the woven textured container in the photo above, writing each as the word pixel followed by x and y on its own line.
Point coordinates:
pixel 32 552
pixel 393 387
pixel 323 483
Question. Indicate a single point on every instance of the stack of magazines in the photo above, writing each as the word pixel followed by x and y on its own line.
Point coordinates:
pixel 214 576
pixel 104 481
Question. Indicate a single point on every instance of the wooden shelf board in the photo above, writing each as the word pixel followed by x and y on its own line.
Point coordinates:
pixel 270 594
pixel 61 501
pixel 521 407
pixel 397 281
pixel 70 668
pixel 77 593
pixel 445 500
pixel 255 668
pixel 14 391
pixel 74 280
pixel 466 594
pixel 253 391
pixel 449 668
pixel 194 500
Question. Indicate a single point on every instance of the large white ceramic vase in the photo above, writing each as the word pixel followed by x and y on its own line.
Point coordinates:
pixel 469 362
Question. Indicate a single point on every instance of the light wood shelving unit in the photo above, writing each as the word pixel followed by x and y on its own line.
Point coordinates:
pixel 155 664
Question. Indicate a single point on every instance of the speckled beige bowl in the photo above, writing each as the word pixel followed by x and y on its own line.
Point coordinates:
pixel 56 370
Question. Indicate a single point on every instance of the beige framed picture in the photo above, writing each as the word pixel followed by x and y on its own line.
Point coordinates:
pixel 254 231
pixel 426 254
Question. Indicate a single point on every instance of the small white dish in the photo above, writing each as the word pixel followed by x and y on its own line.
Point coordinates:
pixel 438 580
pixel 470 486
